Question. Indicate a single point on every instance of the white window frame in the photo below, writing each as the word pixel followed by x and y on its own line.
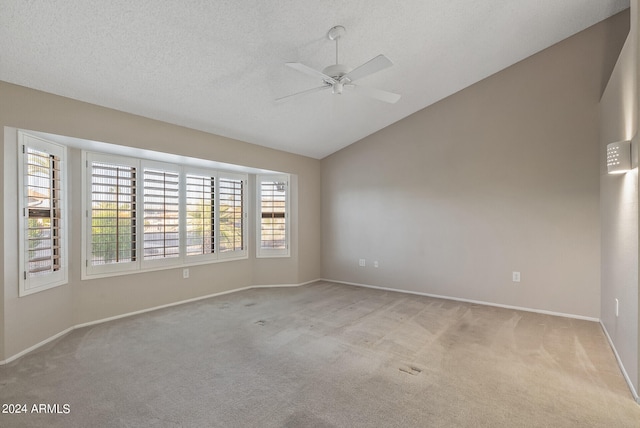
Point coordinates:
pixel 140 265
pixel 29 285
pixel 273 252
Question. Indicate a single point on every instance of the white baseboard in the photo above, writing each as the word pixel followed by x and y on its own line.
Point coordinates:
pixel 36 346
pixel 622 369
pixel 283 285
pixel 155 308
pixel 142 311
pixel 477 302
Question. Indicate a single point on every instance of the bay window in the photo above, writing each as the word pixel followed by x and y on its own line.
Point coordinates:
pixel 144 215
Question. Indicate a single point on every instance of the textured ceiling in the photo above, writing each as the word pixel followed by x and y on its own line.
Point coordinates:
pixel 218 65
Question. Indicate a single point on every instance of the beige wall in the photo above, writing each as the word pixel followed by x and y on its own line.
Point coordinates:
pixel 31 319
pixel 500 177
pixel 619 207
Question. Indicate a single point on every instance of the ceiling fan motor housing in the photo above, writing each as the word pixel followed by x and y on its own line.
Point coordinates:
pixel 336 71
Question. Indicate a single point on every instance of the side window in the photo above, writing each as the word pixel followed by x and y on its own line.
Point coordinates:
pixel 43 214
pixel 273 216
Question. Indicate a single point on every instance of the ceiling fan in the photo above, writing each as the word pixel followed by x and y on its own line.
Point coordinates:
pixel 338 77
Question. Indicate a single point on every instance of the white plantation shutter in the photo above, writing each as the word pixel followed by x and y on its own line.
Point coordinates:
pixel 42 207
pixel 161 214
pixel 231 224
pixel 142 215
pixel 43 212
pixel 200 204
pixel 113 213
pixel 273 218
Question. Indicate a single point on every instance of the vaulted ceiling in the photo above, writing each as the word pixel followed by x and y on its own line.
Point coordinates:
pixel 218 65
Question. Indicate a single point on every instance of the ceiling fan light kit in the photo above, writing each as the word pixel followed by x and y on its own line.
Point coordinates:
pixel 339 76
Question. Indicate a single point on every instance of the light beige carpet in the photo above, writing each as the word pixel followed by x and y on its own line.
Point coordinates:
pixel 325 355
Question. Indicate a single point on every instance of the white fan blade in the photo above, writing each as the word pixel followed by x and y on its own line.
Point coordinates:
pixel 372 66
pixel 310 71
pixel 378 94
pixel 308 91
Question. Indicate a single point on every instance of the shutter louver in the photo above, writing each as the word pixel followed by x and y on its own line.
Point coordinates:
pixel 273 215
pixel 200 215
pixel 43 183
pixel 161 214
pixel 231 219
pixel 113 213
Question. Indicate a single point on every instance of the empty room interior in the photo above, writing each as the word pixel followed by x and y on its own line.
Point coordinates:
pixel 319 214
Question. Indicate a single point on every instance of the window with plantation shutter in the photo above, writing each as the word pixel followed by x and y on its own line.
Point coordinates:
pixel 231 222
pixel 42 207
pixel 113 223
pixel 161 214
pixel 200 204
pixel 273 215
pixel 143 215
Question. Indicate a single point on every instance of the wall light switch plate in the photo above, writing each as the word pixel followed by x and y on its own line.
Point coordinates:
pixel 362 262
pixel 515 276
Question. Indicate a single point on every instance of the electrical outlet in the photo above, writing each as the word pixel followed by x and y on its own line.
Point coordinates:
pixel 362 262
pixel 515 276
pixel 185 273
pixel 375 264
